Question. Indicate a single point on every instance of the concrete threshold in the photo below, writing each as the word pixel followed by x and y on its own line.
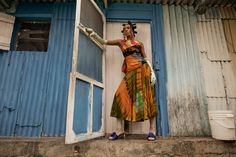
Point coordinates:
pixel 131 146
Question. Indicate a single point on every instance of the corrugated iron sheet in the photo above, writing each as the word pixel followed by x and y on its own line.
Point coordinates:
pixel 229 70
pixel 186 94
pixel 229 73
pixel 217 103
pixel 212 30
pixel 229 23
pixel 34 85
pixel 232 102
pixel 215 41
pixel 227 12
pixel 177 2
pixel 195 55
pixel 60 67
pixel 170 2
pixel 213 76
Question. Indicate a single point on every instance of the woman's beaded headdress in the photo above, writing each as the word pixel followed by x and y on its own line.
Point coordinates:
pixel 132 25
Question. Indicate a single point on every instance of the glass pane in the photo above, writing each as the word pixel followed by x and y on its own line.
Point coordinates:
pixel 89 58
pixel 81 108
pixel 97 108
pixel 90 17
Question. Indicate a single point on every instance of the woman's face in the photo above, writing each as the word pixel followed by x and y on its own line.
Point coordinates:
pixel 127 30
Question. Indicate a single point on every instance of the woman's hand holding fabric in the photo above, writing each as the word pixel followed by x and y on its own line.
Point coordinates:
pixel 153 76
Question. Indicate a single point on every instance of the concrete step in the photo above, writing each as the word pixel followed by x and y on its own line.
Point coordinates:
pixel 128 147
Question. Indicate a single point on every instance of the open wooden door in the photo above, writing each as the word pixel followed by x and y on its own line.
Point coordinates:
pixel 86 99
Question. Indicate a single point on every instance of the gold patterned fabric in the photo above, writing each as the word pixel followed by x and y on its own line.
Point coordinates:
pixel 135 98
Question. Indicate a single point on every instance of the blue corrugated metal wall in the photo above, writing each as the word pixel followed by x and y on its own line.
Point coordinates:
pixel 34 85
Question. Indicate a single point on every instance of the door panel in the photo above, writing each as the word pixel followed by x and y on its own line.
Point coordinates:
pixel 97 108
pixel 86 98
pixel 81 122
pixel 90 58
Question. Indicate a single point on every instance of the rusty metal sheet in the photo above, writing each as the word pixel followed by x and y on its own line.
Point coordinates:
pixel 232 106
pixel 217 104
pixel 212 40
pixel 213 77
pixel 186 93
pixel 176 2
pixel 230 79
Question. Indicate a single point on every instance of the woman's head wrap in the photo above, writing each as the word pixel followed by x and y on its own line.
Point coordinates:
pixel 132 25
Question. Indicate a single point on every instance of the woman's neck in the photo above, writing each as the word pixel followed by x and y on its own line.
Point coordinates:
pixel 131 38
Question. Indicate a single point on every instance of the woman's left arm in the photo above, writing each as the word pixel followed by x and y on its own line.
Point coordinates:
pixel 143 51
pixel 153 77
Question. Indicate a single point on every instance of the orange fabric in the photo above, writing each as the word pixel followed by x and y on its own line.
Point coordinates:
pixel 135 99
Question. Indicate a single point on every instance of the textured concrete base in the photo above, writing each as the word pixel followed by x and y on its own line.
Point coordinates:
pixel 129 147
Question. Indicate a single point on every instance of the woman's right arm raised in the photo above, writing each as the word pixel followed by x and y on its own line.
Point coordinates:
pixel 102 41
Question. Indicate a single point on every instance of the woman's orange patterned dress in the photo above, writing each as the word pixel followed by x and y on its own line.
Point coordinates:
pixel 135 98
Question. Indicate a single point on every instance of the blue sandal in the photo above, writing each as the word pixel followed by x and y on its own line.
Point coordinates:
pixel 114 136
pixel 151 137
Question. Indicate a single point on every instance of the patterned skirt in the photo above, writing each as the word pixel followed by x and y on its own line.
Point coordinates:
pixel 135 98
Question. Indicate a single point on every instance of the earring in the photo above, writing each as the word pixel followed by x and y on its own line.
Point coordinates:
pixel 124 37
pixel 133 34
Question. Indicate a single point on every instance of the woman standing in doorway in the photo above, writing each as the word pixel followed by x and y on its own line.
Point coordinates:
pixel 134 100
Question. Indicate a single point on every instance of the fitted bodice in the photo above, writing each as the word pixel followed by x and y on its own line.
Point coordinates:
pixel 132 50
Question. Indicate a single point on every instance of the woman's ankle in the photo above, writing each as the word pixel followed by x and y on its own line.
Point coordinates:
pixel 118 132
pixel 152 131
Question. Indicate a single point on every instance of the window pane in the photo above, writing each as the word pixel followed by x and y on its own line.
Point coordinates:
pixel 97 108
pixel 90 17
pixel 33 36
pixel 89 58
pixel 82 107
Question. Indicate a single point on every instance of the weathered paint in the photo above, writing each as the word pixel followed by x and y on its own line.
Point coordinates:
pixel 97 109
pixel 34 85
pixel 87 67
pixel 82 102
pixel 177 2
pixel 216 44
pixel 6 22
pixel 187 107
pixel 103 3
pixel 201 43
pixel 228 15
